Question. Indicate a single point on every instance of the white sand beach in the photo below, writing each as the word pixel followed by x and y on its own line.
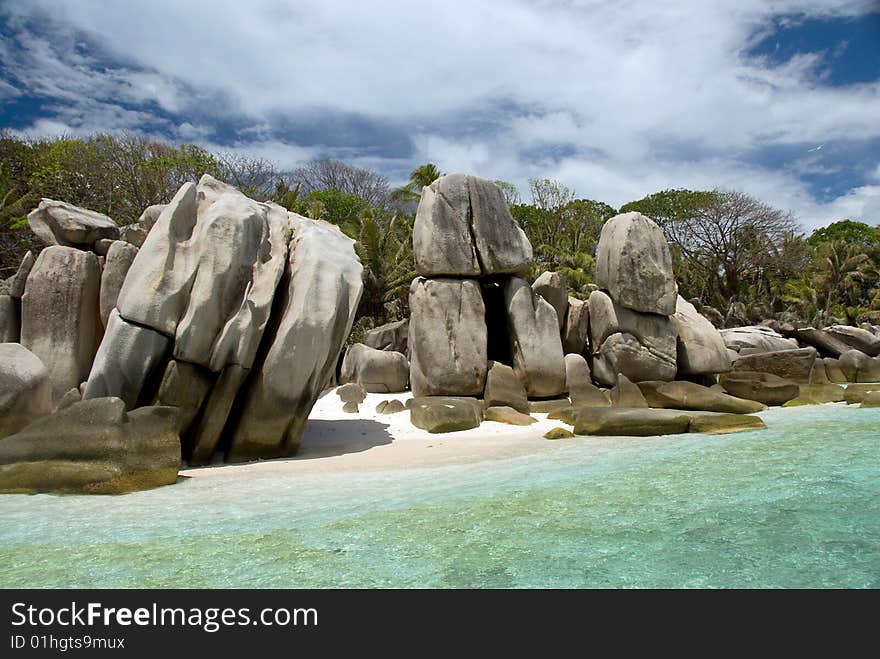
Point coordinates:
pixel 335 440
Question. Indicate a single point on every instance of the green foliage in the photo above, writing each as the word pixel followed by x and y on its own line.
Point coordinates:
pixel 339 208
pixel 418 178
pixel 672 205
pixel 856 233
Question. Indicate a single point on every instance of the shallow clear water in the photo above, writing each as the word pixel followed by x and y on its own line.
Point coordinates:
pixel 797 505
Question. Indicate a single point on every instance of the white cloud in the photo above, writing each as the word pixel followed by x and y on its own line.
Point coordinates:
pixel 617 100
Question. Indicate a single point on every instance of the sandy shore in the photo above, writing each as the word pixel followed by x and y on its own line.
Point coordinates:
pixel 335 440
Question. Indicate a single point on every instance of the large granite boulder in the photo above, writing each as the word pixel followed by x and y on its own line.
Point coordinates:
pixel 579 384
pixel 448 337
pixel 684 395
pixel 758 338
pixel 150 215
pixel 463 227
pixel 324 286
pixel 856 338
pixel 60 223
pixel 126 358
pixel 858 367
pixel 19 279
pixel 833 371
pixel 576 333
pixel 641 346
pixel 642 422
pixel 508 415
pixel 855 393
pixel 25 390
pixel 700 347
pixel 795 365
pixel 93 447
pixel 391 336
pixel 536 344
pixel 377 371
pixel 825 343
pixel 634 264
pixel 119 258
pixel 438 414
pixel 626 394
pixel 551 287
pixel 59 314
pixel 764 388
pixel 504 388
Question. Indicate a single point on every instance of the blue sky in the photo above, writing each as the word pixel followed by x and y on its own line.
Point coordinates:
pixel 617 100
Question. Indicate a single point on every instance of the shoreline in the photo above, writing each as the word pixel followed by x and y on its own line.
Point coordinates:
pixel 335 441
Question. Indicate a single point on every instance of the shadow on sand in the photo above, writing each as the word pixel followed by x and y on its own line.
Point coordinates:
pixel 324 438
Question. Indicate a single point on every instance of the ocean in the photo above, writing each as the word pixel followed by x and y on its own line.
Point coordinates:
pixel 794 506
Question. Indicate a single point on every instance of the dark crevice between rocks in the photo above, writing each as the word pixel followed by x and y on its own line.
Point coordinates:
pixel 280 300
pixel 469 221
pixel 498 347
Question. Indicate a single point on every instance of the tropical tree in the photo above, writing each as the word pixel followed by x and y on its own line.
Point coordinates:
pixel 420 177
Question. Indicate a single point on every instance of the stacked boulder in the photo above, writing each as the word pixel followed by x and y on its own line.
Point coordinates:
pixel 639 326
pixel 470 304
pixel 233 312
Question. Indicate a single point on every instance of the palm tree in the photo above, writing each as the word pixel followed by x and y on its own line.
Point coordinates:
pixel 418 178
pixel 385 251
pixel 845 269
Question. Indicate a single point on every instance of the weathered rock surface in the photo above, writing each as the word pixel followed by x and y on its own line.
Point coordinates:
pixel 825 343
pixel 760 338
pixel 463 227
pixel 858 367
pixel 765 388
pixel 639 345
pixel 25 390
pixel 209 425
pixel 119 259
pixel 391 336
pixel 59 314
pixel 794 365
pixel 126 358
pixel 156 290
pixel 548 406
pixel 351 393
pixel 377 371
pixel 683 395
pixel 634 264
pixel 719 424
pixel 558 433
pixel 579 385
pixel 833 371
pixel 551 287
pixel 856 338
pixel 817 394
pixel 700 347
pixel 576 334
pixel 504 414
pixel 627 394
pixel 871 399
pixel 18 281
pixel 324 286
pixel 643 422
pixel 59 223
pixel 438 414
pixel 504 388
pixel 393 406
pixel 93 447
pixel 536 344
pixel 150 215
pixel 133 234
pixel 448 337
pixel 184 386
pixel 855 393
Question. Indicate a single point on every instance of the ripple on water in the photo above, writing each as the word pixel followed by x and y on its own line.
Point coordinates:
pixel 797 505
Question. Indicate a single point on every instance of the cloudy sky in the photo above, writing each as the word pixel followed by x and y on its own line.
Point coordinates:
pixel 617 100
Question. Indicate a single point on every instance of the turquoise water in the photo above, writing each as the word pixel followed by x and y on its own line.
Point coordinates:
pixel 797 505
